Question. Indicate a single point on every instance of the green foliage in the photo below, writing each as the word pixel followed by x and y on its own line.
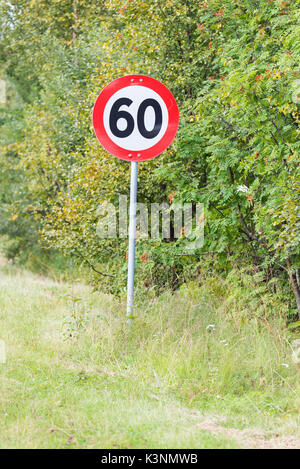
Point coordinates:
pixel 232 66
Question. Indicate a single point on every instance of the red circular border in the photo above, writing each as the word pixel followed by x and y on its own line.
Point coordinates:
pixel 134 80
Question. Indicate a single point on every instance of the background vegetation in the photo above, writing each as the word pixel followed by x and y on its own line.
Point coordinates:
pixel 233 68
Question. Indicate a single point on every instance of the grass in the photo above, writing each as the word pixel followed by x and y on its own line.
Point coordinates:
pixel 198 368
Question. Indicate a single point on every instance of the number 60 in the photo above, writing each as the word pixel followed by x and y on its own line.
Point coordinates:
pixel 116 114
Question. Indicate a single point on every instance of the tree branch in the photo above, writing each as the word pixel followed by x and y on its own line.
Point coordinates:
pixel 270 117
pixel 91 265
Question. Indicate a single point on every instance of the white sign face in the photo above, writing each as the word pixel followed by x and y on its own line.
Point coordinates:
pixel 135 118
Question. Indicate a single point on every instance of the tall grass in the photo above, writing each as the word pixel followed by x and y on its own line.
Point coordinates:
pixel 74 367
pixel 221 343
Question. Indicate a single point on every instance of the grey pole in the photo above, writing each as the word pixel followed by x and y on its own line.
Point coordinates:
pixel 131 243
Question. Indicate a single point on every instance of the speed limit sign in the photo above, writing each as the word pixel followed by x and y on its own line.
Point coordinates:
pixel 135 118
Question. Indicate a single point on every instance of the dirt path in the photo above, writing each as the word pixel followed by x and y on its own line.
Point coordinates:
pixel 249 438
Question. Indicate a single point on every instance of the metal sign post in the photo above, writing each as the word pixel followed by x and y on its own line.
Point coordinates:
pixel 131 242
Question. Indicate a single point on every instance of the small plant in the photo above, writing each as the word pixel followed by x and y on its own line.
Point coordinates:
pixel 76 319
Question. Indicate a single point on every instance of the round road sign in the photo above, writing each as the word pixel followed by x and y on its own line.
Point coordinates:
pixel 135 118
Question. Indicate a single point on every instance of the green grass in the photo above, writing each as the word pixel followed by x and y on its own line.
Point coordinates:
pixel 76 377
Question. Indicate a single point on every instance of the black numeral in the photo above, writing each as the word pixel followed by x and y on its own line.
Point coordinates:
pixel 115 115
pixel 141 118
